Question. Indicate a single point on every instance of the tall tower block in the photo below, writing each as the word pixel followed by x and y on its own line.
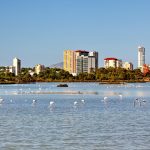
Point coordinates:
pixel 70 61
pixel 17 65
pixel 141 56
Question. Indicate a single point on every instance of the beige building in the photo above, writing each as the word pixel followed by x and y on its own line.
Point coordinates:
pixel 128 65
pixel 39 68
pixel 70 61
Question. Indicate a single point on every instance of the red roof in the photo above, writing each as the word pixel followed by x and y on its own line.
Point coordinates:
pixel 110 58
pixel 83 51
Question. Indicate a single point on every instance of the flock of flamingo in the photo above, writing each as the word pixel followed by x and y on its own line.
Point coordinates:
pixel 137 102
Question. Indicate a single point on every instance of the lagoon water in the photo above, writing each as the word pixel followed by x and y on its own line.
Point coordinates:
pixel 116 122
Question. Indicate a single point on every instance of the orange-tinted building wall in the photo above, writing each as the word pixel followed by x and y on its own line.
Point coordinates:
pixel 70 61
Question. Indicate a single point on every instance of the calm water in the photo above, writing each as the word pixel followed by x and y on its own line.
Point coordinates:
pixel 117 123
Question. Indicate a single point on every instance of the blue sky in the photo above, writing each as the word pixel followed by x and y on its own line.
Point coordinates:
pixel 38 31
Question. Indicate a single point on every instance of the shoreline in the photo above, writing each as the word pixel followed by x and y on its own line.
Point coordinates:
pixel 100 82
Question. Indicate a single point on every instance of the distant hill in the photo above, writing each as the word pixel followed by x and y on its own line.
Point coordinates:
pixel 58 65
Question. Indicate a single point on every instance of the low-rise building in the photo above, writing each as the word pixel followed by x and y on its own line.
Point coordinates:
pixel 128 65
pixel 112 62
pixel 31 72
pixel 12 69
pixel 39 68
pixel 145 69
pixel 119 63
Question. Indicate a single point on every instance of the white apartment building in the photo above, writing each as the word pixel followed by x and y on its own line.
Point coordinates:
pixel 141 56
pixel 17 65
pixel 112 62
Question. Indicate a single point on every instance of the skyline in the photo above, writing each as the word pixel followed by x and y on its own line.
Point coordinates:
pixel 39 31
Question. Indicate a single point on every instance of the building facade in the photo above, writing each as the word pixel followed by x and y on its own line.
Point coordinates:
pixel 39 68
pixel 119 63
pixel 145 69
pixel 17 65
pixel 141 56
pixel 80 61
pixel 128 65
pixel 110 62
pixel 70 61
pixel 81 64
pixel 12 69
pixel 93 61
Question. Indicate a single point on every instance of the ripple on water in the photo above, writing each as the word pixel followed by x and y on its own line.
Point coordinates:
pixel 94 125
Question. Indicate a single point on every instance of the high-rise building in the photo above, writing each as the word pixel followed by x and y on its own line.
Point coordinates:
pixel 141 56
pixel 17 65
pixel 92 61
pixel 80 61
pixel 81 64
pixel 70 61
pixel 81 53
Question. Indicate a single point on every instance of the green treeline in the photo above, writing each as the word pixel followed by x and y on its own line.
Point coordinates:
pixel 55 74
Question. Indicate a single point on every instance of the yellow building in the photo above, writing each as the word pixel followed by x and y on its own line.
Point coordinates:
pixel 70 61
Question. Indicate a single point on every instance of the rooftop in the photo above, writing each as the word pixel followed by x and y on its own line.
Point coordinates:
pixel 83 51
pixel 110 58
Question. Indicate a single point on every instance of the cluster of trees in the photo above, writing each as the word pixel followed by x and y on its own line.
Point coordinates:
pixel 6 76
pixel 55 74
pixel 118 74
pixel 49 74
pixel 112 74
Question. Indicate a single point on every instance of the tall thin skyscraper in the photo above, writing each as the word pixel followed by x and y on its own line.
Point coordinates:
pixel 141 56
pixel 17 65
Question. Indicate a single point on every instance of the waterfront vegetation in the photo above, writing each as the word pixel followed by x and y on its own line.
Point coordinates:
pixel 110 75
